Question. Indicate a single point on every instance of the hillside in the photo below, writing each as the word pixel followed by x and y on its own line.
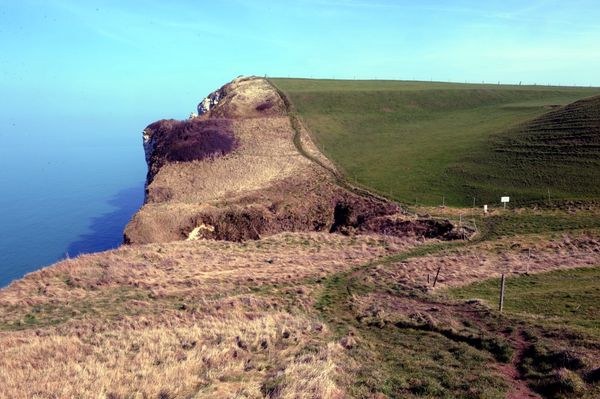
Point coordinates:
pixel 558 151
pixel 425 143
pixel 254 270
pixel 240 170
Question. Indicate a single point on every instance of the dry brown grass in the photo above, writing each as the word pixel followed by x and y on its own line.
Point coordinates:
pixel 229 355
pixel 180 320
pixel 254 97
pixel 265 153
pixel 491 259
pixel 264 160
pixel 265 185
pixel 200 268
pixel 264 157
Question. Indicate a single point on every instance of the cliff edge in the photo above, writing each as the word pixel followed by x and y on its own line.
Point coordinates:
pixel 241 170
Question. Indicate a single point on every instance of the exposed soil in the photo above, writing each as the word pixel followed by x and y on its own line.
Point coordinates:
pixel 518 385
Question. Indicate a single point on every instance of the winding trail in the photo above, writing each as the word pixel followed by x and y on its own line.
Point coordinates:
pixel 339 178
pixel 337 305
pixel 518 386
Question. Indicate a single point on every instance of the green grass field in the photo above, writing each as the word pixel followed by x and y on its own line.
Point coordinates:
pixel 422 142
pixel 561 311
pixel 561 298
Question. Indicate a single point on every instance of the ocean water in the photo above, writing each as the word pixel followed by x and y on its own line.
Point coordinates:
pixel 68 185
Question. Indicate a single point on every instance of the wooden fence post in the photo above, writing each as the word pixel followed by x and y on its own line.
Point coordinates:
pixel 501 303
pixel 436 276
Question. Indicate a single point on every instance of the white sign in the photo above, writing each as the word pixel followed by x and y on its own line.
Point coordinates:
pixel 504 199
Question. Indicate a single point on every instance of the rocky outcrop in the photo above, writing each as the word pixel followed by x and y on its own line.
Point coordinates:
pixel 209 102
pixel 243 98
pixel 240 170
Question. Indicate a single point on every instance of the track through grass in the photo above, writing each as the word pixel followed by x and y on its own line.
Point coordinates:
pixel 409 343
pixel 401 361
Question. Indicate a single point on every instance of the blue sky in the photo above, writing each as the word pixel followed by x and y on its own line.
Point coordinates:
pixel 128 57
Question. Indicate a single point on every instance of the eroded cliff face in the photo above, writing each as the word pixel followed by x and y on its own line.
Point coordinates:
pixel 240 170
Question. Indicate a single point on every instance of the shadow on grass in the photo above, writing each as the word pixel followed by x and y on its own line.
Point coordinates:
pixel 106 231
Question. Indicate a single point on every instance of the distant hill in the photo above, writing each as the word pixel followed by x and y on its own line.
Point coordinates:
pixel 432 142
pixel 558 151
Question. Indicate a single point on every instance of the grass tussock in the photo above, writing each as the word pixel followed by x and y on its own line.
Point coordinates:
pixel 154 356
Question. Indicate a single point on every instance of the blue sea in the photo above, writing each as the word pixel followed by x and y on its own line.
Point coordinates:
pixel 68 185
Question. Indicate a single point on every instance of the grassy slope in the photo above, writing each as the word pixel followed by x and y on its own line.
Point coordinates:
pixel 561 310
pixel 280 317
pixel 409 357
pixel 559 151
pixel 420 141
pixel 562 298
